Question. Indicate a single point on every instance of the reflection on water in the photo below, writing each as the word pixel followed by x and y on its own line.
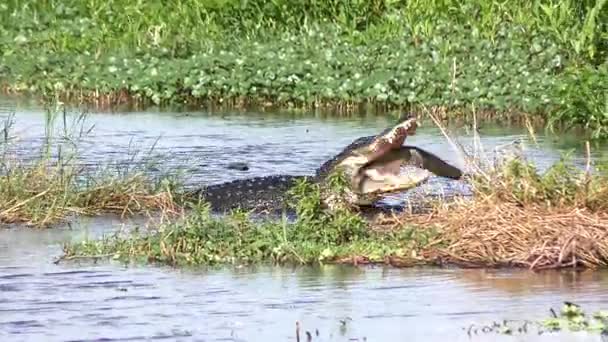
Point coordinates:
pixel 41 301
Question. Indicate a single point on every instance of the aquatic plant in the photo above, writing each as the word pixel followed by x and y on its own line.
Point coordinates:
pixel 584 100
pixel 318 54
pixel 571 317
pixel 319 235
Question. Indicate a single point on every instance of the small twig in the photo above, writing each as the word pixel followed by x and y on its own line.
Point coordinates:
pixel 73 257
pixel 297 331
pixel 22 203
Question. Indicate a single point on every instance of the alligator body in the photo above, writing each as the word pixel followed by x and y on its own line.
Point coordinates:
pixel 261 194
pixel 268 193
pixel 372 163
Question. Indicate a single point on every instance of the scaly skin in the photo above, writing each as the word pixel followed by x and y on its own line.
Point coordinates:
pixel 372 164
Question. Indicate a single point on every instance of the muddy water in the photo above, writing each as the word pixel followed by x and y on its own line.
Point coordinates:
pixel 42 301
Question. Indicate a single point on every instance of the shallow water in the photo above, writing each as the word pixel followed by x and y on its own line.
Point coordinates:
pixel 72 301
pixel 42 301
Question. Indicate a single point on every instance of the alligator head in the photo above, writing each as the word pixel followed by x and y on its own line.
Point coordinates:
pixel 373 168
pixel 371 164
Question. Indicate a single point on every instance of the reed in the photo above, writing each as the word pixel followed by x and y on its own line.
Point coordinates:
pixel 53 186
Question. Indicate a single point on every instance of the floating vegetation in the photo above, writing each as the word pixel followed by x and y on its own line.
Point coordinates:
pixel 531 57
pixel 571 318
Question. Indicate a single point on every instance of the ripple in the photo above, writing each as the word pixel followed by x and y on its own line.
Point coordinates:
pixel 16 276
pixel 63 273
pixel 133 298
pixel 22 324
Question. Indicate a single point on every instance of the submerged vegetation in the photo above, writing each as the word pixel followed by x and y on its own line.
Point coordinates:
pixel 546 58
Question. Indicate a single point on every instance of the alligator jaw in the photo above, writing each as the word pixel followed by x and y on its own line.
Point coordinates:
pixel 390 140
pixel 369 177
pixel 376 183
pixel 374 170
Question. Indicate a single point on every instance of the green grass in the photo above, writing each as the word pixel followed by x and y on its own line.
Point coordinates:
pixel 561 185
pixel 54 186
pixel 546 58
pixel 186 26
pixel 319 235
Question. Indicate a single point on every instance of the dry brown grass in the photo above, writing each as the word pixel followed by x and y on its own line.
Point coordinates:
pixel 42 196
pixel 494 234
pixel 518 217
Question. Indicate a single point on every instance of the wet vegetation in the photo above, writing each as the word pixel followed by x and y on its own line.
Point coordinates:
pixel 54 186
pixel 546 58
pixel 517 217
pixel 570 318
pixel 318 235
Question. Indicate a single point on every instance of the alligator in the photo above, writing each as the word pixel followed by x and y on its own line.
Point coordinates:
pixel 372 164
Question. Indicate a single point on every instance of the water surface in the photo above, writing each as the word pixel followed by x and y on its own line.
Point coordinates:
pixel 72 301
pixel 43 301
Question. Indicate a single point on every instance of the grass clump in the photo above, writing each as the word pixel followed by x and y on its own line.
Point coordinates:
pixel 44 195
pixel 521 217
pixel 319 235
pixel 562 185
pixel 53 186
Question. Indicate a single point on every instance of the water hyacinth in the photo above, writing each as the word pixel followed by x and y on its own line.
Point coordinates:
pixel 526 57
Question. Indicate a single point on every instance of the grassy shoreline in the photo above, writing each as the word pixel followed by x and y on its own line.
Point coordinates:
pixel 516 218
pixel 547 59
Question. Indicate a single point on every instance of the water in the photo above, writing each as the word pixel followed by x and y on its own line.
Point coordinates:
pixel 204 145
pixel 43 301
